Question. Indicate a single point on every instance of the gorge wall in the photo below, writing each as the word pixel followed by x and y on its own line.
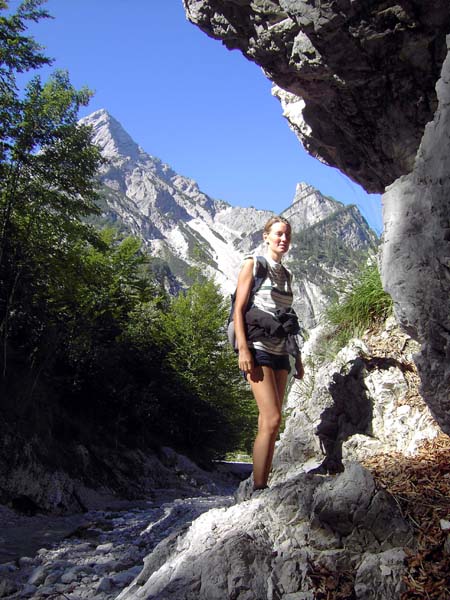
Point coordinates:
pixel 359 82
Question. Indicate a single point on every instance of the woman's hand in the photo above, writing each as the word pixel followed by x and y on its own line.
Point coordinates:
pixel 245 360
pixel 299 368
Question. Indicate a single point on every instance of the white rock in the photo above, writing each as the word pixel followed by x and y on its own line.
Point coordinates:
pixel 7 568
pixel 104 548
pixel 38 576
pixel 104 585
pixel 26 561
pixel 72 575
pixel 28 590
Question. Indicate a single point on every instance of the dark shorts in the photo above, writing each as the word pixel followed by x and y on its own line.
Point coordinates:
pixel 266 359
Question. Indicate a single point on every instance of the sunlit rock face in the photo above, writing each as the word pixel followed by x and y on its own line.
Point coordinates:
pixel 271 546
pixel 359 82
pixel 365 72
pixel 416 254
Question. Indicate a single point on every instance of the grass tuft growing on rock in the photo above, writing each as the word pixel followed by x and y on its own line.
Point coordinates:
pixel 364 305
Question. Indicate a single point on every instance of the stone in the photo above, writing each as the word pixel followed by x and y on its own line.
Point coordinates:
pixel 262 546
pixel 26 561
pixel 447 545
pixel 380 575
pixel 444 525
pixel 104 585
pixel 38 576
pixel 415 257
pixel 341 503
pixel 53 577
pixel 7 587
pixel 104 548
pixel 73 574
pixel 28 590
pixel 126 577
pixel 6 568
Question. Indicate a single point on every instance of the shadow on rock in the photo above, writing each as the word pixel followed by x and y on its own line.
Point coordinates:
pixel 351 412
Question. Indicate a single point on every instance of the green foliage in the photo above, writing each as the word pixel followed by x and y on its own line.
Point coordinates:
pixel 81 312
pixel 320 249
pixel 364 305
pixel 48 170
pixel 19 53
pixel 225 417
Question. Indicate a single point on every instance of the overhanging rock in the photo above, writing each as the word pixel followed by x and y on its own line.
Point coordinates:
pixel 365 72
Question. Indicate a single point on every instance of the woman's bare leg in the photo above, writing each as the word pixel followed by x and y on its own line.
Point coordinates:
pixel 268 390
pixel 281 378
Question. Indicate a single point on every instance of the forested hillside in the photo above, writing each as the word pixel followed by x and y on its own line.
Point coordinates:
pixel 111 328
pixel 94 353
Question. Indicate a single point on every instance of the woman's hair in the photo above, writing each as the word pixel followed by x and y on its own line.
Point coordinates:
pixel 273 220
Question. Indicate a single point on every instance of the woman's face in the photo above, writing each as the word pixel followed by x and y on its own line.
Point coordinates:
pixel 278 238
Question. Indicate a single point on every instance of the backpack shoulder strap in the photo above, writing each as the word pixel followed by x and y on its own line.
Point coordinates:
pixel 260 273
pixel 288 274
pixel 261 269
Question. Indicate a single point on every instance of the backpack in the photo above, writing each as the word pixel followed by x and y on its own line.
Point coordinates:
pixel 260 275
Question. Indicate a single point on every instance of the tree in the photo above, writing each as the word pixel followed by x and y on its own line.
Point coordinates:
pixel 224 419
pixel 47 181
pixel 19 53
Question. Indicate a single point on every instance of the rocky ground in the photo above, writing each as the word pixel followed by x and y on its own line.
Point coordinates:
pixel 310 536
pixel 97 554
pixel 102 555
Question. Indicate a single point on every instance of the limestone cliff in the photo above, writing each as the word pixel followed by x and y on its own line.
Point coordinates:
pixel 416 254
pixel 359 82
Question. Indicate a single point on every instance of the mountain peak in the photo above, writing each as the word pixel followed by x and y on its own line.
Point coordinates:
pixel 303 189
pixel 110 136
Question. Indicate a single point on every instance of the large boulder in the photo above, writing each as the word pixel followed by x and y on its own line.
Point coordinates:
pixel 284 544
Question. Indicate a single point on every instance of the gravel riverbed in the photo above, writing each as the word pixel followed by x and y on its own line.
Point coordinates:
pixel 97 554
pixel 101 551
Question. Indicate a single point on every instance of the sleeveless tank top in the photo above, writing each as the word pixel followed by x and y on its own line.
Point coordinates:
pixel 274 293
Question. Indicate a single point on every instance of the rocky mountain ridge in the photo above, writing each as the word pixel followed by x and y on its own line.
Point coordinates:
pixel 184 226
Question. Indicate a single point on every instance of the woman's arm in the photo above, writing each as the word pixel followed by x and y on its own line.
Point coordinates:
pixel 244 287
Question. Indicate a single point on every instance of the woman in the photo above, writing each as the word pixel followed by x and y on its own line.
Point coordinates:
pixel 265 363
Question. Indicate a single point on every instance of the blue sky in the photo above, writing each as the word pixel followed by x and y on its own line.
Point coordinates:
pixel 185 98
